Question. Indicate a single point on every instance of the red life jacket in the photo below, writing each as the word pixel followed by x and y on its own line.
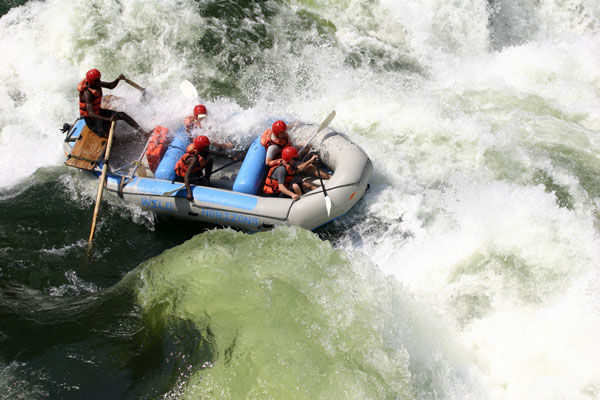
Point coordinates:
pixel 159 142
pixel 268 138
pixel 96 94
pixel 272 185
pixel 181 167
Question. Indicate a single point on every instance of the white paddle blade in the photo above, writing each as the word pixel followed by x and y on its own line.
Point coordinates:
pixel 323 125
pixel 170 192
pixel 326 121
pixel 187 88
pixel 328 205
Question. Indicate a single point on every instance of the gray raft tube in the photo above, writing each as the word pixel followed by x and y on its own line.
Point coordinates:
pixel 352 171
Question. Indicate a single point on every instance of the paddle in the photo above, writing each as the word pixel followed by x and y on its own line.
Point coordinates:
pixel 138 87
pixel 327 199
pixel 224 166
pixel 187 88
pixel 101 185
pixel 323 125
pixel 170 192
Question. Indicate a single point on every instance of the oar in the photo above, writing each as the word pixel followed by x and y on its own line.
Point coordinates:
pixel 101 185
pixel 170 192
pixel 323 125
pixel 187 88
pixel 138 87
pixel 224 166
pixel 327 199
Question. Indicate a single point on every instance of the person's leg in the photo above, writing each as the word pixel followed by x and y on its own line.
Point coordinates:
pixel 96 126
pixel 131 122
pixel 99 126
pixel 296 189
pixel 106 124
pixel 314 171
pixel 208 168
pixel 308 186
pixel 197 180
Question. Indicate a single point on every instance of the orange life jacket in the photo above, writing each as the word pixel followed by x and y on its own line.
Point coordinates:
pixel 158 144
pixel 272 185
pixel 181 167
pixel 96 93
pixel 268 138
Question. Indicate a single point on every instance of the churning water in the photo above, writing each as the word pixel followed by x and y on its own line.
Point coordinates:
pixel 470 270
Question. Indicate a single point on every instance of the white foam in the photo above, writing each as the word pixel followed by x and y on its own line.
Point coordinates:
pixel 484 197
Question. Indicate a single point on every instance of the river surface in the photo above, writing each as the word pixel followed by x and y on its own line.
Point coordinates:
pixel 470 270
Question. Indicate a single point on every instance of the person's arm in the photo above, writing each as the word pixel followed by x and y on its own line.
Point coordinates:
pixel 237 156
pixel 189 123
pixel 271 158
pixel 219 153
pixel 87 98
pixel 113 84
pixel 304 152
pixel 307 163
pixel 186 178
pixel 222 146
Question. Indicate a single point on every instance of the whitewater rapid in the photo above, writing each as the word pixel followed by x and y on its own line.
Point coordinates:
pixel 482 120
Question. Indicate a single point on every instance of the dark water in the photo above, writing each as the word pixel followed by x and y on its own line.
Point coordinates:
pixel 67 332
pixel 468 271
pixel 6 5
pixel 70 327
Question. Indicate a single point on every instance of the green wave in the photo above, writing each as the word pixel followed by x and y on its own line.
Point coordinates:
pixel 281 315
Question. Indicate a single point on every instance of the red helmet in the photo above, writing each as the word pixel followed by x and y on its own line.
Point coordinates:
pixel 201 143
pixel 92 76
pixel 199 110
pixel 278 127
pixel 288 153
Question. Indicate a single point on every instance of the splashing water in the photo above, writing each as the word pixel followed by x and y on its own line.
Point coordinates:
pixel 471 268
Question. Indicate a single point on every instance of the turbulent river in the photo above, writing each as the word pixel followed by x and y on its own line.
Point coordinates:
pixel 470 269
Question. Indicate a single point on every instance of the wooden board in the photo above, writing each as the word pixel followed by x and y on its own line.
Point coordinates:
pixel 87 151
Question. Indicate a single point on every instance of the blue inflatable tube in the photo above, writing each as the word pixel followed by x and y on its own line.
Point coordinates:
pixel 77 128
pixel 252 172
pixel 166 168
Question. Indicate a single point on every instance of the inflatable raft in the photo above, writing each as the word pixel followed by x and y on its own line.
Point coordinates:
pixel 143 174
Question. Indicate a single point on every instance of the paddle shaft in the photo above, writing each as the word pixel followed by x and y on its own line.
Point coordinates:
pixel 327 199
pixel 101 184
pixel 323 125
pixel 135 85
pixel 170 192
pixel 224 166
pixel 321 178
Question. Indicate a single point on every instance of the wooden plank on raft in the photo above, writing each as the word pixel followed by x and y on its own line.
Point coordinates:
pixel 87 151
